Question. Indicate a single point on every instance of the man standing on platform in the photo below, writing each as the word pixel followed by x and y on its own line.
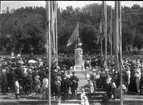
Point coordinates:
pixel 74 84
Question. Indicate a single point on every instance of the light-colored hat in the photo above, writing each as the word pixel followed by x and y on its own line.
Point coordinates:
pixel 87 67
pixel 4 70
pixel 93 70
pixel 37 76
pixel 67 76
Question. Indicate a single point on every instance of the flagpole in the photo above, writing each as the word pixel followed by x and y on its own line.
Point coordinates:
pixel 53 45
pixel 120 37
pixel 105 29
pixel 111 34
pixel 49 54
pixel 0 32
pixel 118 45
pixel 48 24
pixel 56 30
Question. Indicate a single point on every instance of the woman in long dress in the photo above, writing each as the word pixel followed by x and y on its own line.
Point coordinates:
pixel 45 86
pixel 37 85
pixel 84 99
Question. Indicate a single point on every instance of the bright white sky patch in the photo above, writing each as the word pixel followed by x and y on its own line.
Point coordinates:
pixel 62 4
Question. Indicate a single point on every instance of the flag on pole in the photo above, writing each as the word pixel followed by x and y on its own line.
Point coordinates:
pixel 74 35
pixel 48 33
pixel 100 27
pixel 104 20
pixel 55 19
pixel 120 31
pixel 53 32
pixel 100 32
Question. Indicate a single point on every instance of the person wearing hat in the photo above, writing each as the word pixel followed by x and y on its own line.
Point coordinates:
pixel 37 85
pixel 16 85
pixel 4 82
pixel 84 99
pixel 138 78
pixel 74 84
pixel 65 86
pixel 135 81
pixel 45 86
pixel 93 79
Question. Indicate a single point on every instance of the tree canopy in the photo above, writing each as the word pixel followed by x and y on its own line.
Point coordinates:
pixel 23 29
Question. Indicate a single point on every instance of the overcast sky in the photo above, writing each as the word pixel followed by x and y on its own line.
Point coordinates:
pixel 62 4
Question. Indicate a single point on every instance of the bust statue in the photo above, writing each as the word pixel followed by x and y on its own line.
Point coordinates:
pixel 78 43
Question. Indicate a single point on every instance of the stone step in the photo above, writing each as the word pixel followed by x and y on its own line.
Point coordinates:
pixel 94 96
pixel 45 102
pixel 134 96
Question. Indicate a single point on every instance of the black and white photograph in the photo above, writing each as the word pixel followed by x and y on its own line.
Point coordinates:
pixel 71 52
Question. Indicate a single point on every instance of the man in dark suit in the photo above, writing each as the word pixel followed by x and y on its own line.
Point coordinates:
pixel 4 82
pixel 65 85
pixel 74 84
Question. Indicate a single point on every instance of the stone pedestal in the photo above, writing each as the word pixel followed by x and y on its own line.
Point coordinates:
pixel 78 60
pixel 12 54
pixel 79 68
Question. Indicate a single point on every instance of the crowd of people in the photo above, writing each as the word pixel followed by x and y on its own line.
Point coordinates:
pixel 108 78
pixel 22 77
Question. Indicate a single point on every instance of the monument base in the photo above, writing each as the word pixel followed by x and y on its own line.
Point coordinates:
pixel 80 73
pixel 79 68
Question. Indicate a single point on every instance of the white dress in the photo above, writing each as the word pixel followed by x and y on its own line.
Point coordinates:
pixel 44 89
pixel 84 99
pixel 17 87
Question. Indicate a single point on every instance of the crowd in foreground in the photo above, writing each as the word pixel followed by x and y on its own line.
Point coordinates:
pixel 109 78
pixel 22 77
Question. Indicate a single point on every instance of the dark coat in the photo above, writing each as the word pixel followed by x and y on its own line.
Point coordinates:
pixel 4 79
pixel 74 82
pixel 65 85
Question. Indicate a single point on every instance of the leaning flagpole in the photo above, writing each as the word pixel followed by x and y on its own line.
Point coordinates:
pixel 120 48
pixel 48 33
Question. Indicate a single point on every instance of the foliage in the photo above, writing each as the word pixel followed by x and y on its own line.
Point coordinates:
pixel 24 28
